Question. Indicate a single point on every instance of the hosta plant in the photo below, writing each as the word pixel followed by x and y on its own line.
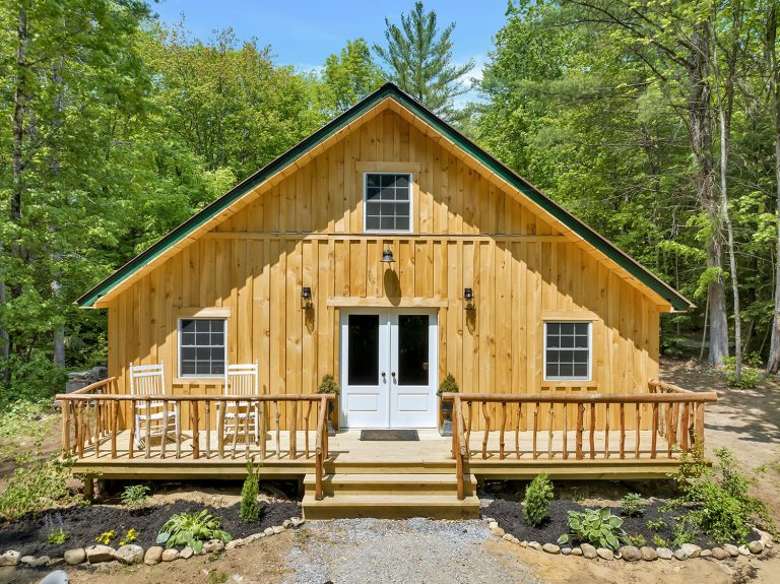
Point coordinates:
pixel 191 529
pixel 597 527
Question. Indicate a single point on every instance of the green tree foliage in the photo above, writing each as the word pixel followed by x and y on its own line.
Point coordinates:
pixel 419 59
pixel 597 114
pixel 349 76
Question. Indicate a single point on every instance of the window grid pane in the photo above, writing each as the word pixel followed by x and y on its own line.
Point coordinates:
pixel 388 202
pixel 202 347
pixel 567 354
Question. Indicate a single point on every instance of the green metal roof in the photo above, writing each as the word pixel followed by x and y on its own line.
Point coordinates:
pixel 677 300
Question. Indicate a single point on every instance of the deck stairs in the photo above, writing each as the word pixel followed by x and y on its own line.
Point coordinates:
pixel 391 492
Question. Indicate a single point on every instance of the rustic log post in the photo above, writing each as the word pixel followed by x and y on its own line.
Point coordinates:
pixel 606 429
pixel 306 434
pixel 536 430
pixel 207 405
pixel 164 437
pixel 294 432
pixel 503 430
pixel 622 430
pixel 221 407
pixel 684 424
pixel 148 438
pixel 699 430
pixel 177 405
pixel 114 426
pixel 131 446
pixel 565 441
pixel 580 422
pixel 195 430
pixel 519 428
pixel 638 428
pixel 654 431
pixel 66 427
pixel 486 434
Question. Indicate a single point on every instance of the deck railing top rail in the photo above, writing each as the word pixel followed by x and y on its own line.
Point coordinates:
pixel 585 398
pixel 290 397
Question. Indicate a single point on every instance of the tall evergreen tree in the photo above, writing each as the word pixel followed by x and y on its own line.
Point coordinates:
pixel 420 60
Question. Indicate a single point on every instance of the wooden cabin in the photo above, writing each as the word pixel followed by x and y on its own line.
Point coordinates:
pixel 388 250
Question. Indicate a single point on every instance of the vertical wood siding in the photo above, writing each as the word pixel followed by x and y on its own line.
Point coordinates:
pixel 306 231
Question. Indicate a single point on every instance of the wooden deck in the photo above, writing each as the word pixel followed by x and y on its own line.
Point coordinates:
pixel 348 454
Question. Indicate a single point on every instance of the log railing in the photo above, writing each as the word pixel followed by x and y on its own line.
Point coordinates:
pixel 221 426
pixel 576 427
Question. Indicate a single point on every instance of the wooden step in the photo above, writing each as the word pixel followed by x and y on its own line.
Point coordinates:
pixel 358 466
pixel 396 506
pixel 389 484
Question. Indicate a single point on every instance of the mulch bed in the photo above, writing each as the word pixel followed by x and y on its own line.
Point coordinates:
pixel 508 514
pixel 28 534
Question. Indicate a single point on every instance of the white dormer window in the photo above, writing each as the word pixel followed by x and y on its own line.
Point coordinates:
pixel 388 202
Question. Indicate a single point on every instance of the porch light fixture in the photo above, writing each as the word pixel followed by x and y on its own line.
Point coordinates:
pixel 387 256
pixel 468 296
pixel 306 297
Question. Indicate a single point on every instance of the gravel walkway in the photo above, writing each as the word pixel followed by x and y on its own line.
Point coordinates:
pixel 414 551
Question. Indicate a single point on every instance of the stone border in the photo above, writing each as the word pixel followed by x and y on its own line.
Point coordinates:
pixel 631 553
pixel 134 554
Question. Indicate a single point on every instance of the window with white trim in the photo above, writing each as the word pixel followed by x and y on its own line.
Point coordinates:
pixel 202 347
pixel 388 201
pixel 567 350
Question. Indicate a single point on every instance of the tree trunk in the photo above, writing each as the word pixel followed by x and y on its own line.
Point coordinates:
pixel 773 363
pixel 700 119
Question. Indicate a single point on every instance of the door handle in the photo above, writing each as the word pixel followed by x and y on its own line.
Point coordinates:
pixel 394 379
pixel 384 377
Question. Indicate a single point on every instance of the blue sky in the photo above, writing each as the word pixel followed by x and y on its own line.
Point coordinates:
pixel 304 32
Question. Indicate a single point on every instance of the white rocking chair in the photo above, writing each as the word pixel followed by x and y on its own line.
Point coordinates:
pixel 243 380
pixel 145 381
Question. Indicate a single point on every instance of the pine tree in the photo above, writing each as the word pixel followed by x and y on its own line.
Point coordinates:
pixel 420 61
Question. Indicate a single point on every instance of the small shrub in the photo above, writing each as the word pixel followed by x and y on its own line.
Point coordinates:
pixel 597 527
pixel 536 503
pixel 682 533
pixel 251 508
pixel 750 376
pixel 656 524
pixel 106 537
pixel 191 529
pixel 58 537
pixel 329 385
pixel 130 537
pixel 637 540
pixel 659 541
pixel 632 505
pixel 134 496
pixel 721 506
pixel 449 385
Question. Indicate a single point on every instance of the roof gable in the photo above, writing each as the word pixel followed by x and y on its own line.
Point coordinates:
pixel 293 158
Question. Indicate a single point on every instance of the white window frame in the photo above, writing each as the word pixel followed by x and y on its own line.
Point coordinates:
pixel 189 376
pixel 589 377
pixel 411 201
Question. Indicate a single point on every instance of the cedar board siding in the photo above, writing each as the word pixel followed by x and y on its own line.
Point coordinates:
pixel 307 231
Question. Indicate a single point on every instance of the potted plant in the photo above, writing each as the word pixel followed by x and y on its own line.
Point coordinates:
pixel 448 385
pixel 329 385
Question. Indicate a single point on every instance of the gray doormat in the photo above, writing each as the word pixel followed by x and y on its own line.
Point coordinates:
pixel 389 436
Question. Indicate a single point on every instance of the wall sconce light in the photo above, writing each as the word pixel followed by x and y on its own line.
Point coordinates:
pixel 468 296
pixel 306 302
pixel 387 256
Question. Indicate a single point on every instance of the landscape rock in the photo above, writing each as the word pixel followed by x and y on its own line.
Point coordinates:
pixel 551 548
pixel 756 547
pixel 269 531
pixel 719 553
pixel 605 554
pixel 664 553
pixel 679 554
pixel 130 554
pixel 97 554
pixel 705 553
pixel 233 544
pixel 588 551
pixel 743 550
pixel 297 521
pixel 9 558
pixel 186 553
pixel 732 550
pixel 153 555
pixel 33 562
pixel 56 561
pixel 75 556
pixel 534 545
pixel 565 551
pixel 493 525
pixel 213 545
pixel 648 554
pixel 691 550
pixel 630 553
pixel 170 555
pixel 576 551
pixel 55 577
pixel 497 531
pixel 286 523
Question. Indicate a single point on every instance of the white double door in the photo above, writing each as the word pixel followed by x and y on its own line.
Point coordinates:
pixel 388 368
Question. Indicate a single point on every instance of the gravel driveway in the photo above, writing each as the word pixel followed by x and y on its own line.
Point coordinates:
pixel 380 551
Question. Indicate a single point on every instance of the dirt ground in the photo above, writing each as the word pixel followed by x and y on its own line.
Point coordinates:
pixel 745 421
